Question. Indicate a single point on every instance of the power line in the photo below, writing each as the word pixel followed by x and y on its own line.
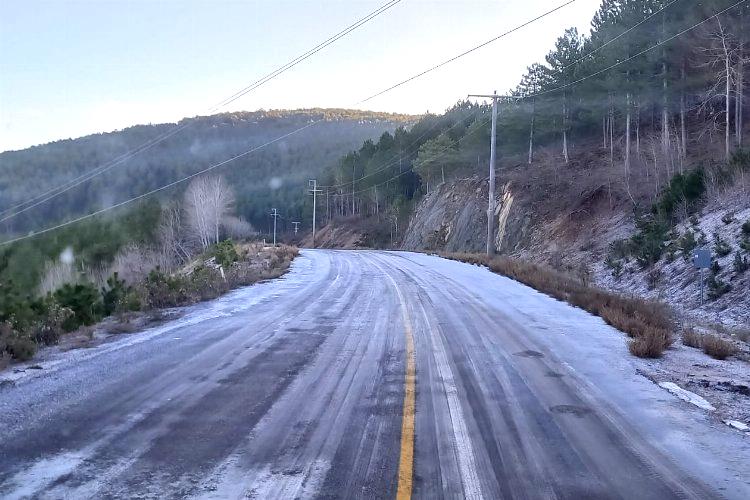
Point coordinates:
pixel 315 122
pixel 307 54
pixel 411 169
pixel 640 23
pixel 597 73
pixel 462 54
pixel 58 190
pixel 400 156
pixel 154 191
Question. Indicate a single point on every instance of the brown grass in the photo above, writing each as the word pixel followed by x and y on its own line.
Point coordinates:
pixel 691 338
pixel 717 347
pixel 648 323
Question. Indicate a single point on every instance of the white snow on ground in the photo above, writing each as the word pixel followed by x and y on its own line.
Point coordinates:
pixel 678 281
pixel 737 425
pixel 688 396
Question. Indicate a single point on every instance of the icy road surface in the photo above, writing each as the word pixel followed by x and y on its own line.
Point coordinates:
pixel 363 374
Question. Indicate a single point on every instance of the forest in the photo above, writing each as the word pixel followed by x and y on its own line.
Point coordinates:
pixel 182 149
pixel 656 88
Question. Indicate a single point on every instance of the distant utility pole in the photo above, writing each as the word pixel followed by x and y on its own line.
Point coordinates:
pixel 296 226
pixel 491 207
pixel 313 190
pixel 354 171
pixel 274 214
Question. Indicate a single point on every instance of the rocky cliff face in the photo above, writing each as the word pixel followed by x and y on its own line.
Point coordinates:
pixel 571 227
pixel 454 218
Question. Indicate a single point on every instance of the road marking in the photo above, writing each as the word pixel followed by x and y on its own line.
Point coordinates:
pixel 462 441
pixel 406 463
pixel 406 459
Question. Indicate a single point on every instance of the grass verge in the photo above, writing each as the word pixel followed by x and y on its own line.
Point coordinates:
pixel 717 347
pixel 649 324
pixel 26 324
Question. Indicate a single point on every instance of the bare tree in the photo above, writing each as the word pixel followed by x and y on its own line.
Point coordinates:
pixel 207 201
pixel 237 228
pixel 721 54
pixel 172 234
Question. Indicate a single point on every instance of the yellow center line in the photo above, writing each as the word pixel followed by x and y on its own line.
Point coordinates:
pixel 406 462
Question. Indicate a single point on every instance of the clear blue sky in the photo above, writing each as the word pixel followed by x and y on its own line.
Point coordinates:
pixel 70 68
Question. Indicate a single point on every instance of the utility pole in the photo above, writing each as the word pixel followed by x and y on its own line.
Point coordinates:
pixel 354 170
pixel 274 214
pixel 313 190
pixel 296 226
pixel 491 206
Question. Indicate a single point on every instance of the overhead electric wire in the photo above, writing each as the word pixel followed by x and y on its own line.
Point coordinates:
pixel 216 165
pixel 410 169
pixel 162 188
pixel 619 63
pixel 400 156
pixel 466 52
pixel 309 53
pixel 58 190
pixel 640 23
pixel 600 71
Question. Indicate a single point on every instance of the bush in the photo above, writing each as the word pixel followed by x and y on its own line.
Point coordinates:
pixel 746 228
pixel 615 265
pixel 691 338
pixel 48 328
pixel 717 287
pixel 118 297
pixel 716 347
pixel 687 189
pixel 741 264
pixel 653 278
pixel 83 299
pixel 687 244
pixel 224 252
pixel 21 348
pixel 647 244
pixel 727 218
pixel 721 247
pixel 163 290
pixel 651 344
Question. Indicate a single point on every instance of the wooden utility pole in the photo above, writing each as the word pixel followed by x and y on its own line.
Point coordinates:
pixel 491 201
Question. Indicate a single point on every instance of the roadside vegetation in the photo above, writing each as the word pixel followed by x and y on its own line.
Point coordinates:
pixel 649 324
pixel 156 256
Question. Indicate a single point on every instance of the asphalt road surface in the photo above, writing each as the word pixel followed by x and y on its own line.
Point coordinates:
pixel 363 375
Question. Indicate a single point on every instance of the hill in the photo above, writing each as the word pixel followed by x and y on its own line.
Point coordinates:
pixel 200 142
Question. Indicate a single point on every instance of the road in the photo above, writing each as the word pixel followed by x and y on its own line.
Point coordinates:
pixel 363 375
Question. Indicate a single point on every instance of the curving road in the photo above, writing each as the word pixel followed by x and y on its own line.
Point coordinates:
pixel 363 375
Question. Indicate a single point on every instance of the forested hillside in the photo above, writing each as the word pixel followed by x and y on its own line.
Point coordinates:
pixel 199 143
pixel 658 85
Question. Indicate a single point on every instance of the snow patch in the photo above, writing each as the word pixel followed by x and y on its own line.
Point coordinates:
pixel 740 426
pixel 686 395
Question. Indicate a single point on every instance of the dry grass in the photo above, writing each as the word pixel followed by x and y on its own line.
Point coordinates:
pixel 648 323
pixel 691 338
pixel 717 347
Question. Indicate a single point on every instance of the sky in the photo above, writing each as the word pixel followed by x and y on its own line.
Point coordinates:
pixel 72 68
